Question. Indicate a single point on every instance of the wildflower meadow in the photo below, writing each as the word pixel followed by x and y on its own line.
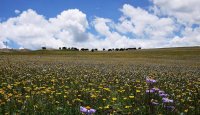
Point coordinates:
pixel 163 81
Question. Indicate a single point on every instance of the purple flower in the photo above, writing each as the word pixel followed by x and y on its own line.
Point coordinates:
pixel 160 91
pixel 83 109
pixel 166 100
pixel 155 89
pixel 163 95
pixel 150 91
pixel 87 110
pixel 151 81
pixel 91 111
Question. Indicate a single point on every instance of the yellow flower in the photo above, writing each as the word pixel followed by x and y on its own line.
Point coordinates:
pixel 138 81
pixel 19 101
pixel 93 96
pixel 53 80
pixel 127 107
pixel 107 106
pixel 114 98
pixel 125 98
pixel 2 91
pixel 88 107
pixel 121 91
pixel 10 95
pixel 9 87
pixel 58 93
pixel 107 89
pixel 186 110
pixel 27 96
pixel 79 100
pixel 138 91
pixel 131 96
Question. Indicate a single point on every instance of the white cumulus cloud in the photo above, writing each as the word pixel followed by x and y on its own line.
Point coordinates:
pixel 170 24
pixel 31 30
pixel 17 11
pixel 143 24
pixel 186 11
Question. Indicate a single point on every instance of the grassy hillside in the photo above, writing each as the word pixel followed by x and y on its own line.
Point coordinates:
pixel 184 55
pixel 59 82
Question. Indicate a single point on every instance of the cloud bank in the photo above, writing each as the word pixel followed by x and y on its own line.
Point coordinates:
pixel 167 23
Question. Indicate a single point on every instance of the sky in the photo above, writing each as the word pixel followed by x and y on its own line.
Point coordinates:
pixel 33 24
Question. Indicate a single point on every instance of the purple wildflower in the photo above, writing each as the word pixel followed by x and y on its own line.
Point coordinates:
pixel 150 91
pixel 155 89
pixel 91 111
pixel 160 91
pixel 87 110
pixel 83 109
pixel 163 95
pixel 151 81
pixel 166 100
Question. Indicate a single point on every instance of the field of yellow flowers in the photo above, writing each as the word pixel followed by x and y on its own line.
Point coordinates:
pixel 101 83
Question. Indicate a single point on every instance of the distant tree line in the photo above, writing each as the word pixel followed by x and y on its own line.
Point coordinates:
pixel 95 49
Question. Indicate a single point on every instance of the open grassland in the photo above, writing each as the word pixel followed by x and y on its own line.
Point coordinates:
pixel 59 82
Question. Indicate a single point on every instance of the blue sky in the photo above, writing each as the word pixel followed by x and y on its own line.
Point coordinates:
pixel 99 23
pixel 101 8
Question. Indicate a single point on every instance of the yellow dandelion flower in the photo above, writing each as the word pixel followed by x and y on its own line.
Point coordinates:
pixel 10 95
pixel 125 98
pixel 138 81
pixel 58 93
pixel 138 91
pixel 131 96
pixel 88 107
pixel 19 101
pixel 107 106
pixel 121 91
pixel 93 96
pixel 127 107
pixel 27 96
pixel 9 87
pixel 107 89
pixel 114 98
pixel 186 110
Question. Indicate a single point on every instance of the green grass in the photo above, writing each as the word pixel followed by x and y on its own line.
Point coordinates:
pixel 59 82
